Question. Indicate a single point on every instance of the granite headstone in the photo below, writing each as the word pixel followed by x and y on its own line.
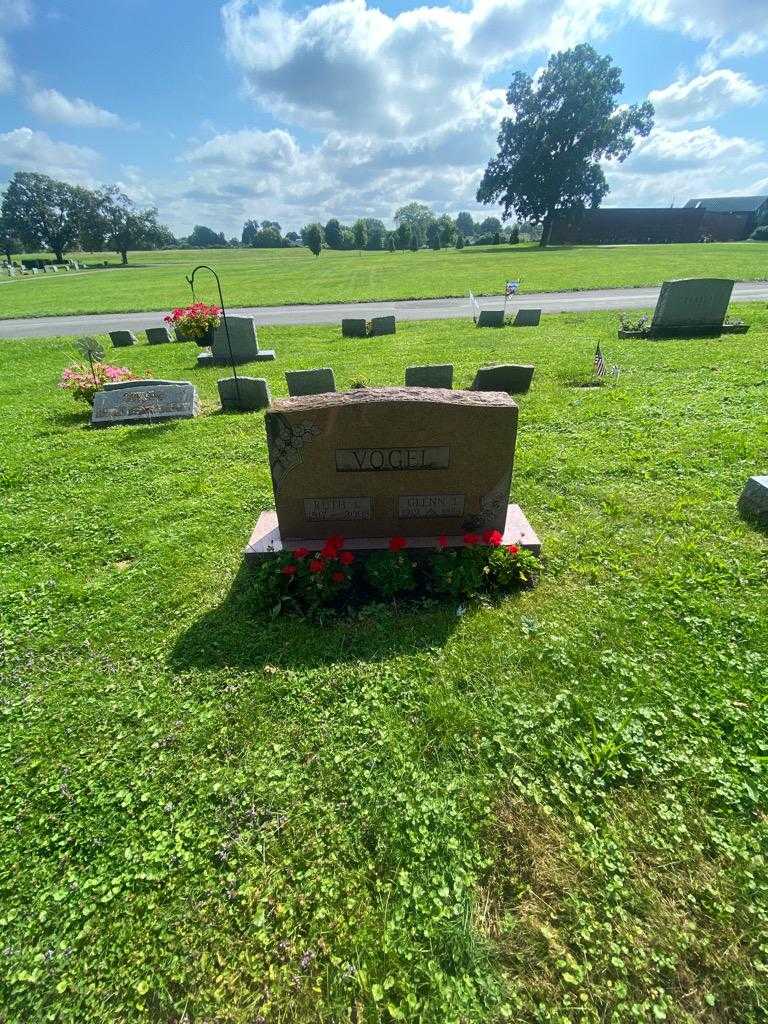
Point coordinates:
pixel 144 401
pixel 247 394
pixel 310 382
pixel 491 318
pixel 243 342
pixel 382 325
pixel 120 339
pixel 158 335
pixel 753 502
pixel 511 378
pixel 527 318
pixel 439 375
pixel 692 305
pixel 353 328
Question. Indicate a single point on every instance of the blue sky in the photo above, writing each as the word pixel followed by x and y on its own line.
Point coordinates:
pixel 218 112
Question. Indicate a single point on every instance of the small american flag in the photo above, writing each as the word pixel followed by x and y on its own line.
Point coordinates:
pixel 599 366
pixel 511 288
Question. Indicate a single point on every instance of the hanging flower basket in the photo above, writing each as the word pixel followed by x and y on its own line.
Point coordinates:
pixel 195 323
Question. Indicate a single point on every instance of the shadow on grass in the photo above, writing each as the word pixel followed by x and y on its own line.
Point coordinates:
pixel 75 418
pixel 237 634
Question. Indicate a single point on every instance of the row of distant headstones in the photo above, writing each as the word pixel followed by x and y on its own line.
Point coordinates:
pixel 12 269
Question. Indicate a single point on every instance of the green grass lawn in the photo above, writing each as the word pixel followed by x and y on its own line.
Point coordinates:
pixel 155 280
pixel 552 809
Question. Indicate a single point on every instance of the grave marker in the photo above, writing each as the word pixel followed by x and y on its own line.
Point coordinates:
pixel 491 318
pixel 248 394
pixel 242 338
pixel 382 462
pixel 158 335
pixel 527 318
pixel 753 502
pixel 382 325
pixel 511 378
pixel 144 401
pixel 353 328
pixel 310 382
pixel 440 375
pixel 120 339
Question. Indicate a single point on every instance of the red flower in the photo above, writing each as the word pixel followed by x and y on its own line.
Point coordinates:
pixel 339 577
pixel 492 537
pixel 337 541
pixel 346 558
pixel 442 541
pixel 301 552
pixel 512 549
pixel 470 539
pixel 316 565
pixel 288 570
pixel 397 543
pixel 329 550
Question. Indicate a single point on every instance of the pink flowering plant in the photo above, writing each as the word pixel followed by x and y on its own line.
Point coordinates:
pixel 196 321
pixel 310 582
pixel 83 381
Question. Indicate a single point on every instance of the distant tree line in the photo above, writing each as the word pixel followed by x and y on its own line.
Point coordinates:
pixel 40 213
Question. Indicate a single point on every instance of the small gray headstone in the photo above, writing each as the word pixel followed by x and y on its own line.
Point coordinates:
pixel 440 375
pixel 144 401
pixel 527 318
pixel 353 328
pixel 310 382
pixel 511 378
pixel 253 394
pixel 158 335
pixel 34 271
pixel 242 339
pixel 691 305
pixel 753 502
pixel 122 338
pixel 491 318
pixel 382 325
pixel 11 271
pixel 53 269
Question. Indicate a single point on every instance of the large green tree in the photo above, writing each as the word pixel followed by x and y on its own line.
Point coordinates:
pixel 560 129
pixel 43 212
pixel 418 217
pixel 360 234
pixel 465 224
pixel 10 243
pixel 127 227
pixel 312 237
pixel 206 238
pixel 333 234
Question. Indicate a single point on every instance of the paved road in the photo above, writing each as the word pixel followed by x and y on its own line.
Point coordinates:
pixel 414 309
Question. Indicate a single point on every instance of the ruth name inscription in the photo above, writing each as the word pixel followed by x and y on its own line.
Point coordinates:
pixel 364 460
pixel 321 510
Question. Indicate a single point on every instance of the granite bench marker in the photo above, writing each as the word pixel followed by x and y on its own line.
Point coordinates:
pixel 121 339
pixel 243 340
pixel 439 375
pixel 375 463
pixel 310 382
pixel 144 401
pixel 511 378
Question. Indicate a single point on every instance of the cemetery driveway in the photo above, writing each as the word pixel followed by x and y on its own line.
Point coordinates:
pixel 332 313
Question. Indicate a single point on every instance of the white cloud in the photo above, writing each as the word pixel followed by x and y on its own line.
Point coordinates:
pixel 707 19
pixel 705 97
pixel 51 105
pixel 275 151
pixel 26 150
pixel 13 14
pixel 666 147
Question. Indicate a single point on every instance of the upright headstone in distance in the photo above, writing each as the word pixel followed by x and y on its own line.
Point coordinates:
pixel 440 375
pixel 248 394
pixel 491 318
pixel 382 325
pixel 158 335
pixel 310 382
pixel 511 378
pixel 122 338
pixel 243 341
pixel 527 318
pixel 352 327
pixel 753 503
pixel 54 269
pixel 691 306
pixel 144 401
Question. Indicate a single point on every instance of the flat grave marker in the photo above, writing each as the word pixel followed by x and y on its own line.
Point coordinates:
pixel 144 401
pixel 439 375
pixel 121 339
pixel 310 382
pixel 753 502
pixel 511 378
pixel 158 336
pixel 527 318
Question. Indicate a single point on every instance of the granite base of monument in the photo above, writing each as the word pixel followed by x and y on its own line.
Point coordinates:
pixel 266 541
